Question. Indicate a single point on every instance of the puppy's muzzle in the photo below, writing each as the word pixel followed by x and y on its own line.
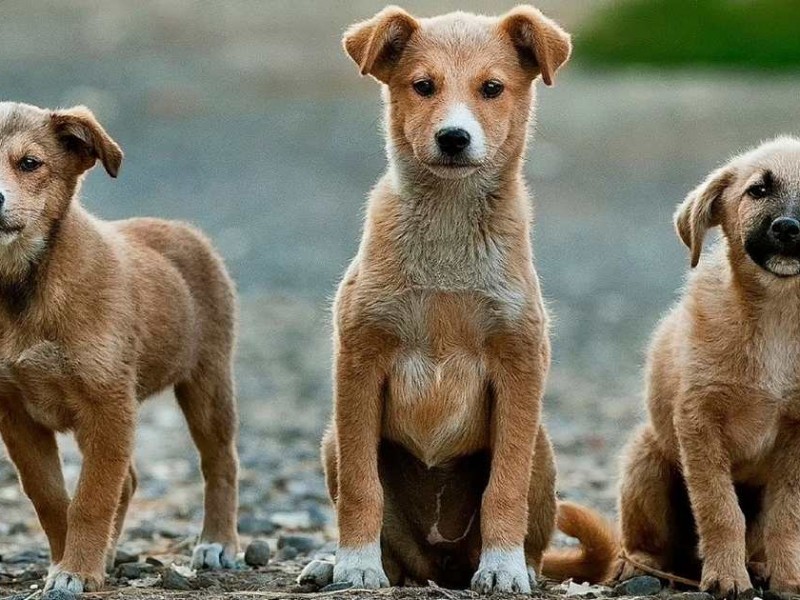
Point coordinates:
pixel 785 230
pixel 452 141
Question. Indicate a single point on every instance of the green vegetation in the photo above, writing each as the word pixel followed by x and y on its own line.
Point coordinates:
pixel 755 34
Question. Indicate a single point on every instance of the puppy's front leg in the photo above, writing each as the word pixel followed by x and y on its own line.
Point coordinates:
pixel 359 503
pixel 105 434
pixel 518 367
pixel 34 452
pixel 782 516
pixel 706 467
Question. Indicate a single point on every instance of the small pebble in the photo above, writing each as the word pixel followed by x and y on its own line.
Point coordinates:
pixel 304 544
pixel 287 553
pixel 32 573
pixel 257 554
pixel 27 556
pixel 134 570
pixel 19 527
pixel 639 586
pixel 145 531
pixel 172 580
pixel 123 557
pixel 318 573
pixel 256 525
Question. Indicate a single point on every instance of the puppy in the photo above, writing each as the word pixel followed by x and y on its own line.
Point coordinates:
pixel 436 458
pixel 95 317
pixel 721 452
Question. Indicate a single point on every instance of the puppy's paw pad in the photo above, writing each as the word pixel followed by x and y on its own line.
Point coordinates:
pixel 361 567
pixel 503 571
pixel 487 581
pixel 729 587
pixel 69 583
pixel 366 579
pixel 213 555
pixel 318 573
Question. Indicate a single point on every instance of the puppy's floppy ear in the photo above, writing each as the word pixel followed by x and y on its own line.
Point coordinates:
pixel 541 43
pixel 82 135
pixel 375 45
pixel 700 210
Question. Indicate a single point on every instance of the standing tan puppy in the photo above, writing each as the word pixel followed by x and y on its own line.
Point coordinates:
pixel 721 453
pixel 436 458
pixel 95 317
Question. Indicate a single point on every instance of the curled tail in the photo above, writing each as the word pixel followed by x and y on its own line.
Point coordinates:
pixel 599 546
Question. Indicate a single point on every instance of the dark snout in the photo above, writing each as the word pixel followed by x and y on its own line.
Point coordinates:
pixel 785 230
pixel 452 140
pixel 2 201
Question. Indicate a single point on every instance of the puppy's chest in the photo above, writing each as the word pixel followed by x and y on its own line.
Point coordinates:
pixel 437 395
pixel 40 374
pixel 776 357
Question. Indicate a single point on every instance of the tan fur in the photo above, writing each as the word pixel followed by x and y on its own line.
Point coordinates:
pixel 721 453
pixel 94 317
pixel 599 546
pixel 441 343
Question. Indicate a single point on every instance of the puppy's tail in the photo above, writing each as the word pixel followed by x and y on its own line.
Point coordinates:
pixel 599 547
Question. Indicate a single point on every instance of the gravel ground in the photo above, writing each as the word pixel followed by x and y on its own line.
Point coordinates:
pixel 245 118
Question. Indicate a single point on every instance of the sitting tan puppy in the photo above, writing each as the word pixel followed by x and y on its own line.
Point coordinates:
pixel 437 459
pixel 95 317
pixel 721 454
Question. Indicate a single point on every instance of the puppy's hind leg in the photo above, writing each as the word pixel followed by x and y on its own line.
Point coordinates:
pixel 122 510
pixel 647 508
pixel 541 505
pixel 207 401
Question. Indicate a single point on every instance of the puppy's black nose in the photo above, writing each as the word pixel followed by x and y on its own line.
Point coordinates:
pixel 785 229
pixel 452 140
pixel 2 200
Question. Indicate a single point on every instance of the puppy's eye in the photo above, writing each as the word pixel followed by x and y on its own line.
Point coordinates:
pixel 29 164
pixel 424 87
pixel 492 88
pixel 758 191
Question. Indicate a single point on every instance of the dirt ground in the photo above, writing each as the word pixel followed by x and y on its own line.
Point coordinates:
pixel 245 118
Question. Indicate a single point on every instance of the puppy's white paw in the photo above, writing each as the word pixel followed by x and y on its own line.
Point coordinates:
pixel 64 581
pixel 318 573
pixel 360 567
pixel 503 571
pixel 212 555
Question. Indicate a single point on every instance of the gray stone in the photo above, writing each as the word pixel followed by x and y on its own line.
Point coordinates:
pixel 257 554
pixel 134 570
pixel 318 573
pixel 122 557
pixel 639 586
pixel 19 527
pixel 172 580
pixel 251 525
pixel 304 544
pixel 32 573
pixel 287 553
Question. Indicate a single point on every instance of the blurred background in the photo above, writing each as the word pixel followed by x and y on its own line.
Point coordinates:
pixel 246 118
